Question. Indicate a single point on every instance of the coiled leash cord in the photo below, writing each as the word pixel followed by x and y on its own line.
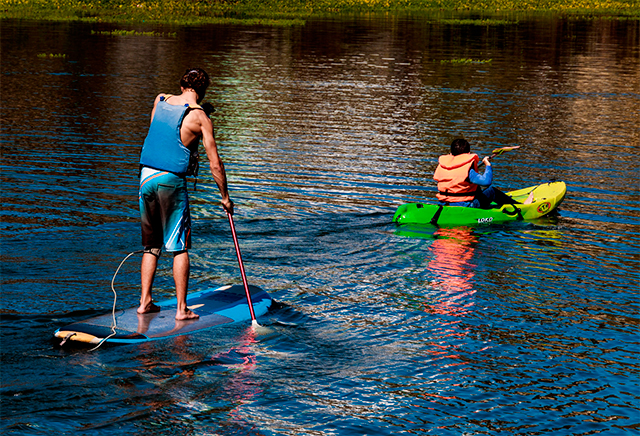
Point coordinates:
pixel 115 298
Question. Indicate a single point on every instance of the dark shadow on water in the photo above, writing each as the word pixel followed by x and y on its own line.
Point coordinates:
pixel 428 231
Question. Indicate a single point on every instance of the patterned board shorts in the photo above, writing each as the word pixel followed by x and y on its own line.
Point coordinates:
pixel 164 211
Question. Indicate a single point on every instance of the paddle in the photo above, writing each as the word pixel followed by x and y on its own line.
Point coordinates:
pixel 500 151
pixel 244 277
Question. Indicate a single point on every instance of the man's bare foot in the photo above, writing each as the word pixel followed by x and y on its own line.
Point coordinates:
pixel 529 199
pixel 180 316
pixel 149 308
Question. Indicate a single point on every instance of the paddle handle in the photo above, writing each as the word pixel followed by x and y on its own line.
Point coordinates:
pixel 482 161
pixel 244 277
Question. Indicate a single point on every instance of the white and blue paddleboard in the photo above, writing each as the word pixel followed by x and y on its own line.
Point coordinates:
pixel 216 306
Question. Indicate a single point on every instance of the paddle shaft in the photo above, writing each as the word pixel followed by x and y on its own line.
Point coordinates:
pixel 244 277
pixel 490 157
pixel 482 160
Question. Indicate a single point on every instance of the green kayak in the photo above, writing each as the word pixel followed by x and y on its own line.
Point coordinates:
pixel 546 198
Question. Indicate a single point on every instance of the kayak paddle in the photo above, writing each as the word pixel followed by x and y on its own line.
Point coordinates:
pixel 499 152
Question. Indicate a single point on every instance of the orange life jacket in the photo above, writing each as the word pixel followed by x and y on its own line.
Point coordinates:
pixel 452 176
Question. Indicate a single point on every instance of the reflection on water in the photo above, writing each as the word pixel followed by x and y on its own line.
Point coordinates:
pixel 325 129
pixel 452 266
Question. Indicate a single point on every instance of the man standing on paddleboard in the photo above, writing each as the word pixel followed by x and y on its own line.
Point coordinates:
pixel 459 181
pixel 169 154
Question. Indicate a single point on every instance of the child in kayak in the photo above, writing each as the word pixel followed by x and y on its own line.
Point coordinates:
pixel 459 182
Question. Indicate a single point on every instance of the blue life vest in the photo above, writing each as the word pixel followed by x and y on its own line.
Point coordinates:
pixel 163 149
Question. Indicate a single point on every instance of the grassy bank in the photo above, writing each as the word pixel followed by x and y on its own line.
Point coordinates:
pixel 284 12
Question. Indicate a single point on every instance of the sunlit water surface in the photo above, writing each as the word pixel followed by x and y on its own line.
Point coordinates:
pixel 528 328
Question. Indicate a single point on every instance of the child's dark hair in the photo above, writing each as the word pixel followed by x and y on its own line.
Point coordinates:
pixel 459 146
pixel 196 79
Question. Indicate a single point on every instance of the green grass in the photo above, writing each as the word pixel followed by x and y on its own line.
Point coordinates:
pixel 51 55
pixel 465 61
pixel 288 12
pixel 122 32
pixel 485 22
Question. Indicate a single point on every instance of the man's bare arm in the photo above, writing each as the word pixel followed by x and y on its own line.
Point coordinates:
pixel 215 163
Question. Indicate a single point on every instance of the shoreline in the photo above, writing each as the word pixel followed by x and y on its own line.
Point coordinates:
pixel 296 12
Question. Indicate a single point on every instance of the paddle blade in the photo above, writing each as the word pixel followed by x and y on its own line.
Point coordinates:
pixel 499 151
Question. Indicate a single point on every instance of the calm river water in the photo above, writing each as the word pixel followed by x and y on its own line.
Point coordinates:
pixel 528 329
